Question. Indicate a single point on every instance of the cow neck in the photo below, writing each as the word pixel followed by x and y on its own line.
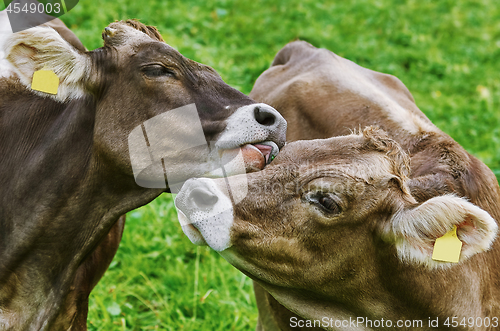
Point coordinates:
pixel 374 307
pixel 49 167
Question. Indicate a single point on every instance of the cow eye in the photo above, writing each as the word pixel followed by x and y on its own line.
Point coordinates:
pixel 325 202
pixel 156 70
pixel 328 204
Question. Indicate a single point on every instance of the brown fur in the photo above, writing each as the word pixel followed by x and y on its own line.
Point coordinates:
pixel 320 99
pixel 66 176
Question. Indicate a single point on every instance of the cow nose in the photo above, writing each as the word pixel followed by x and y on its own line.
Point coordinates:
pixel 205 213
pixel 202 198
pixel 265 115
pixel 253 123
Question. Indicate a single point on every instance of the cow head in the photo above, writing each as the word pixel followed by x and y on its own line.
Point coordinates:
pixel 326 214
pixel 135 78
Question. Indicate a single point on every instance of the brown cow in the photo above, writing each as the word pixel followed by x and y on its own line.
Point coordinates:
pixel 94 266
pixel 339 233
pixel 70 167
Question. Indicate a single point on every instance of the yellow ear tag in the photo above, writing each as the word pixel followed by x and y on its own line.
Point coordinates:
pixel 448 247
pixel 45 81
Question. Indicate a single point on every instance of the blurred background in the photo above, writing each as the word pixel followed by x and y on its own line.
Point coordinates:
pixel 447 52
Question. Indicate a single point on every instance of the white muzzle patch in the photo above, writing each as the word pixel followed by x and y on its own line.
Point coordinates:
pixel 205 213
pixel 244 126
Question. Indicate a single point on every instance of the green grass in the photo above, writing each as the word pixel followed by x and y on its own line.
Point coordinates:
pixel 160 281
pixel 446 52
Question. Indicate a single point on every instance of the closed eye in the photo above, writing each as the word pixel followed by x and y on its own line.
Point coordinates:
pixel 156 70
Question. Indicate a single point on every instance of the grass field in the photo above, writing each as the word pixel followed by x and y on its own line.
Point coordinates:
pixel 446 52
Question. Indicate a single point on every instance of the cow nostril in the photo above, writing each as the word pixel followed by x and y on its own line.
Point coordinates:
pixel 203 199
pixel 264 117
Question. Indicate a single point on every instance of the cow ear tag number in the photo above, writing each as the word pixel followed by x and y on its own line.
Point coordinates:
pixel 447 248
pixel 45 81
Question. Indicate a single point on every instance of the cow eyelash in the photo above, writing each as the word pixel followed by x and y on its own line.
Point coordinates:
pixel 156 70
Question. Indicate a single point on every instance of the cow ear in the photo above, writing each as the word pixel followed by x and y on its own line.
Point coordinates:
pixel 416 229
pixel 43 48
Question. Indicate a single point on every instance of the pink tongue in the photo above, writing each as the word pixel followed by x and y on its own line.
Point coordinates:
pixel 265 150
pixel 254 157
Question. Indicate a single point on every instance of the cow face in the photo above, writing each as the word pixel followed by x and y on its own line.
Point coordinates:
pixel 325 213
pixel 131 83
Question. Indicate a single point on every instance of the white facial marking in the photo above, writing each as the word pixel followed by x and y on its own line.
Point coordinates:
pixel 214 223
pixel 189 230
pixel 242 127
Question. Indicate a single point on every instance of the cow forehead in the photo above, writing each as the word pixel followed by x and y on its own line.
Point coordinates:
pixel 140 47
pixel 337 156
pixel 160 51
pixel 152 51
